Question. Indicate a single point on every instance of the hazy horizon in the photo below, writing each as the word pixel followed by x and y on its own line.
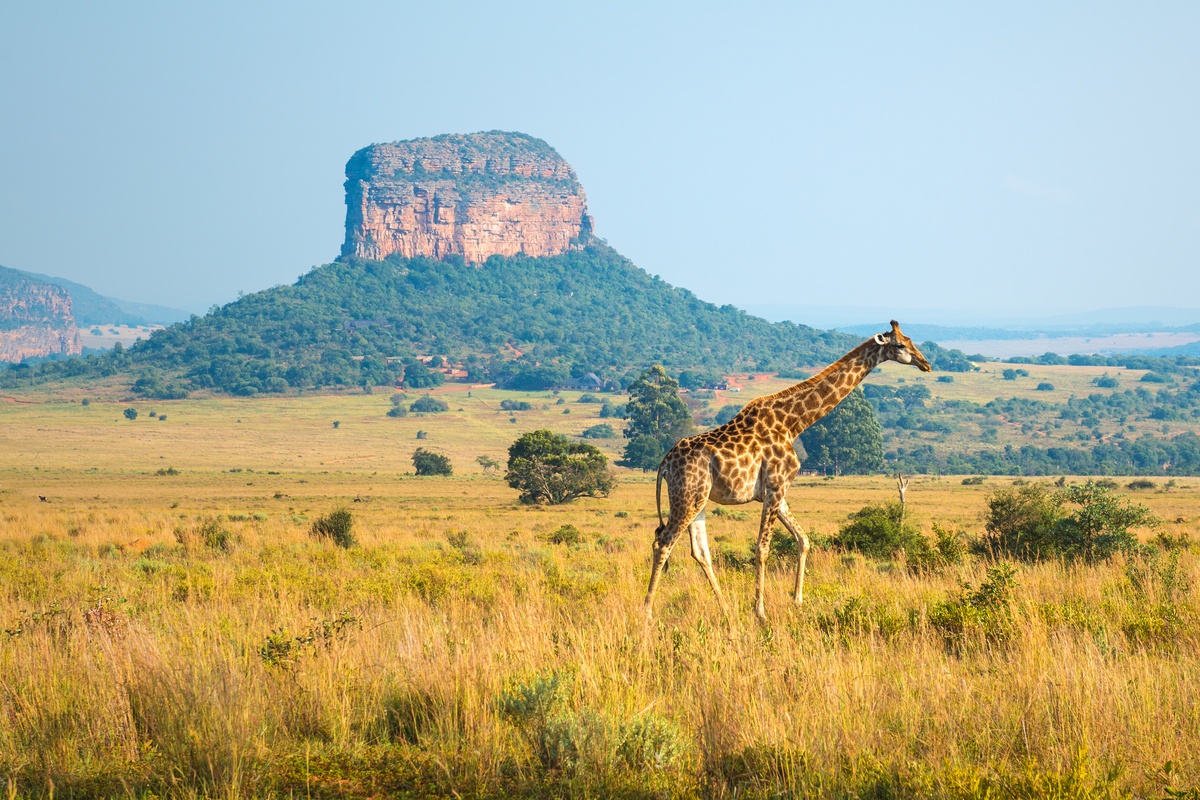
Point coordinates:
pixel 1010 163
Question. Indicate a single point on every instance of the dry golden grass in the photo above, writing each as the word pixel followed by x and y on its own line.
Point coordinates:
pixel 135 658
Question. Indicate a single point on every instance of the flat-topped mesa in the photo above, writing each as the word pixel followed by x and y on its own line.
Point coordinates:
pixel 474 195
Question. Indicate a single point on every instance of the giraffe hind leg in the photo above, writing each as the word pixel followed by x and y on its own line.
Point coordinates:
pixel 700 552
pixel 665 537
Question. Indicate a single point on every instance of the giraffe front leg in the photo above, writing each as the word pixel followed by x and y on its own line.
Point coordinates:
pixel 802 546
pixel 769 512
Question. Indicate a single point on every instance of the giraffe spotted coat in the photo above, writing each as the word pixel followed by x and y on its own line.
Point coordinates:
pixel 751 457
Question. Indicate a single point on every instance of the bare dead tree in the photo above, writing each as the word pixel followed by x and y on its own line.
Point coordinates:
pixel 902 486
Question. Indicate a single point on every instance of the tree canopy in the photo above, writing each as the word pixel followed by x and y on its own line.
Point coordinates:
pixel 847 440
pixel 657 419
pixel 549 468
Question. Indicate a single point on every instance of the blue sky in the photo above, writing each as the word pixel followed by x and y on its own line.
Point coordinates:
pixel 986 161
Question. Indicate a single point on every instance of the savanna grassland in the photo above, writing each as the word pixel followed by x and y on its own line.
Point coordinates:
pixel 170 627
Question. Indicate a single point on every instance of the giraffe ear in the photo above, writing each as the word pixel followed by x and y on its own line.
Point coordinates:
pixel 880 339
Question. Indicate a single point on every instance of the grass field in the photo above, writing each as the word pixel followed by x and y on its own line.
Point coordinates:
pixel 181 634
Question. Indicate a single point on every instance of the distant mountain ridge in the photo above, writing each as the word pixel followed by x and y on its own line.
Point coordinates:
pixel 35 319
pixel 92 308
pixel 959 324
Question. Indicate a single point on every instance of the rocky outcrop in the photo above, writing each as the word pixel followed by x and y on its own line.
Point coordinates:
pixel 35 319
pixel 473 195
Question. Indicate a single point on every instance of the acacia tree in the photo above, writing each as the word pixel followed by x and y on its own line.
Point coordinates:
pixel 847 440
pixel 428 462
pixel 657 418
pixel 549 468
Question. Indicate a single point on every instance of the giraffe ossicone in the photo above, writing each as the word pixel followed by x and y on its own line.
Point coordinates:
pixel 751 457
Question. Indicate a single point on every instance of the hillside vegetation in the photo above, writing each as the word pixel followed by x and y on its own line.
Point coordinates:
pixel 585 310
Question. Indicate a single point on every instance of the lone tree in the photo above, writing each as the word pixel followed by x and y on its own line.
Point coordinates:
pixel 657 418
pixel 847 440
pixel 429 405
pixel 130 414
pixel 428 462
pixel 548 468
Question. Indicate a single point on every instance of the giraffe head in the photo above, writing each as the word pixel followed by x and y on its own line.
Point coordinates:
pixel 899 348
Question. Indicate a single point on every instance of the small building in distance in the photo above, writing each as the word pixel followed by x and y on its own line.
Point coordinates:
pixel 591 382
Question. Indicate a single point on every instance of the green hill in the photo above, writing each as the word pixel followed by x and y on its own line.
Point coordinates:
pixel 519 320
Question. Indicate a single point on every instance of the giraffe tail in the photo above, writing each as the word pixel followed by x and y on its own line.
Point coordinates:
pixel 658 499
pixel 658 502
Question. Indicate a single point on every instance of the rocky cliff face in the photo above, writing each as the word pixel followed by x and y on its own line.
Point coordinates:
pixel 474 195
pixel 35 319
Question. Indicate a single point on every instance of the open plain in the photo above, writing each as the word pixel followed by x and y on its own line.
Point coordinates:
pixel 169 627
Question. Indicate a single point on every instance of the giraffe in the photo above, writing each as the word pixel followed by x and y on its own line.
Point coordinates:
pixel 751 457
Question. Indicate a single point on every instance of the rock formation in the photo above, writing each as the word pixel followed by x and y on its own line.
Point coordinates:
pixel 473 195
pixel 35 319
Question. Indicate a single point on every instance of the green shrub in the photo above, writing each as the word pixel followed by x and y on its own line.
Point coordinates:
pixel 1045 386
pixel 977 615
pixel 565 534
pixel 877 532
pixel 130 414
pixel 650 741
pixel 337 526
pixel 515 405
pixel 859 616
pixel 574 741
pixel 428 462
pixel 429 405
pixel 1100 527
pixel 1021 521
pixel 1141 483
pixel 214 535
pixel 974 481
pixel 951 546
pixel 466 546
pixel 398 410
pixel 601 431
pixel 526 704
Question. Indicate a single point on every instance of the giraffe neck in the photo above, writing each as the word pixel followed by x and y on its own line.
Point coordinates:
pixel 805 403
